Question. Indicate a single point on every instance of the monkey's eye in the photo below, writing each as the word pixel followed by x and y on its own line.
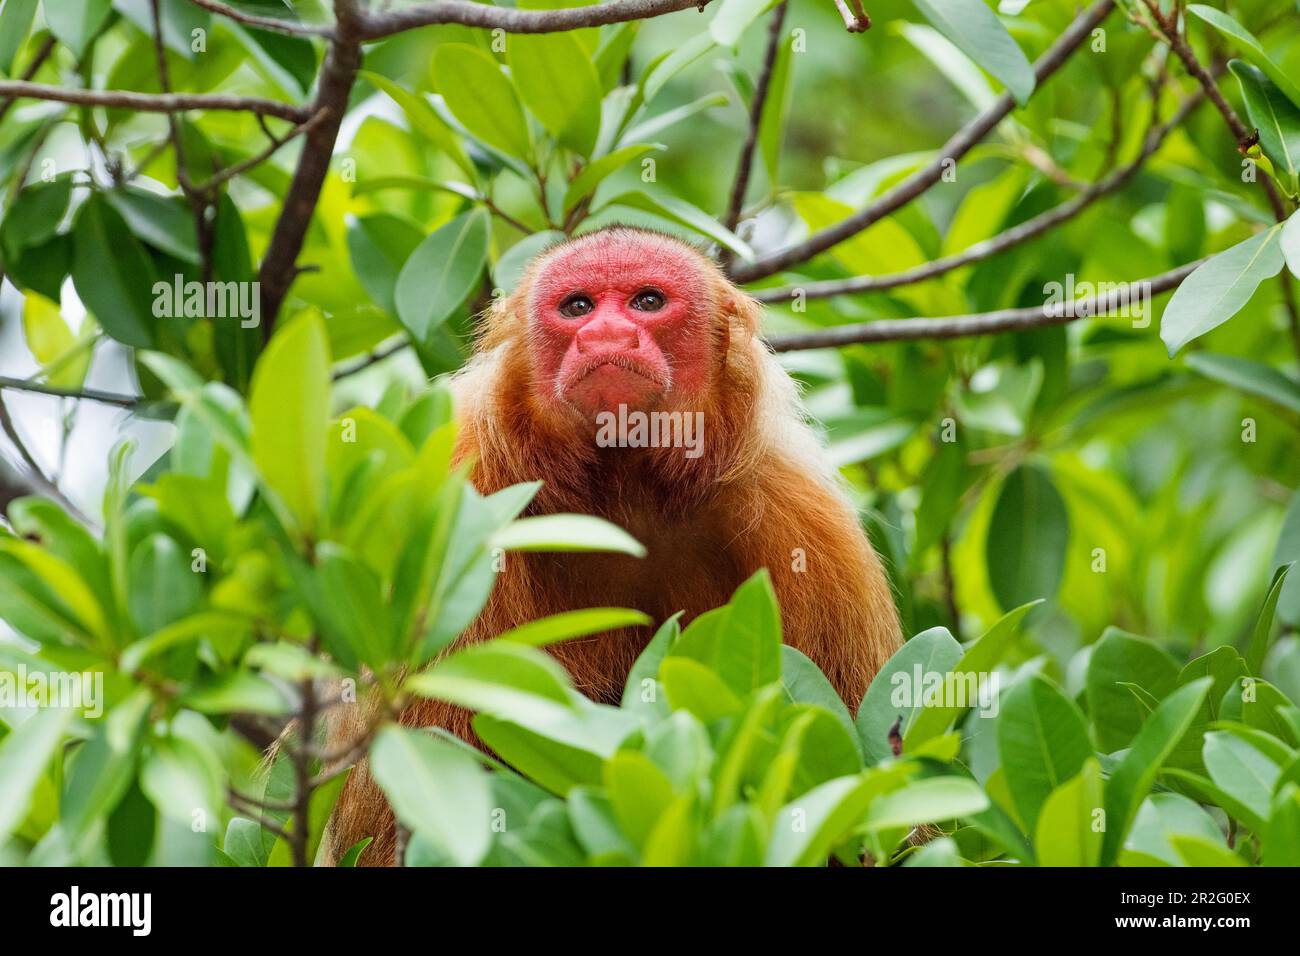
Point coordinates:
pixel 648 300
pixel 576 306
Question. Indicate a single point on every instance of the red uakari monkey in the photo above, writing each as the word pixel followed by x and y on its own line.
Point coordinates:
pixel 626 317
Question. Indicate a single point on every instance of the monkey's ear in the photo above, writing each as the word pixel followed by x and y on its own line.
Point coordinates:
pixel 503 320
pixel 744 312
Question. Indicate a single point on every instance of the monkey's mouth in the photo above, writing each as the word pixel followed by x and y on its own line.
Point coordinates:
pixel 608 381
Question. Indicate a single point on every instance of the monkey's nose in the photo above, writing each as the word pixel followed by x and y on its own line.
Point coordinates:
pixel 608 334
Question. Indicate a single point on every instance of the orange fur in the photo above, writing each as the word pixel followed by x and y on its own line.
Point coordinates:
pixel 759 492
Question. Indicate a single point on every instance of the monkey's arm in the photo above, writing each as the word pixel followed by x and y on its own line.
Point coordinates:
pixel 836 602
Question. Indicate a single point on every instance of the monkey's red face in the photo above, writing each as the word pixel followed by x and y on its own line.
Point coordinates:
pixel 621 318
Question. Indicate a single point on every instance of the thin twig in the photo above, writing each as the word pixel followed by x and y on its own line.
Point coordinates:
pixel 855 18
pixel 756 105
pixel 230 172
pixel 1168 28
pixel 288 27
pixel 337 76
pixel 88 394
pixel 199 200
pixel 36 478
pixel 983 323
pixel 920 181
pixel 378 355
pixel 38 60
pixel 302 774
pixel 375 26
pixel 275 829
pixel 1023 232
pixel 153 102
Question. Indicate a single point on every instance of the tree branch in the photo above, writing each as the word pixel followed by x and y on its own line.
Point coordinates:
pixel 230 172
pixel 41 56
pixel 89 394
pixel 198 199
pixel 761 88
pixel 153 102
pixel 1167 24
pixel 983 323
pixel 1029 229
pixel 265 23
pixel 338 74
pixel 375 26
pixel 920 181
pixel 855 18
pixel 34 481
pixel 375 357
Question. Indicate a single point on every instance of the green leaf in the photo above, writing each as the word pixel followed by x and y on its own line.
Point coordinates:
pixel 180 780
pixel 35 215
pixel 165 588
pixel 481 98
pixel 1043 742
pixel 1161 818
pixel 437 790
pixel 349 608
pixel 1220 288
pixel 1027 538
pixel 62 579
pixel 1257 650
pixel 734 17
pixel 927 801
pixel 113 275
pixel 164 222
pixel 1282 837
pixel 639 792
pixel 565 532
pixel 892 693
pixel 1132 779
pixel 683 213
pixel 741 641
pixel 1253 378
pixel 557 81
pixel 1240 770
pixel 571 624
pixel 806 684
pixel 771 126
pixel 350 858
pixel 807 828
pixel 24 754
pixel 563 752
pixel 1288 551
pixel 379 246
pixel 1276 118
pixel 103 767
pixel 76 22
pixel 642 677
pixel 1291 243
pixel 288 407
pixel 1067 833
pixel 691 686
pixel 441 273
pixel 423 120
pixel 510 268
pixel 977 31
pixel 65 359
pixel 1250 47
pixel 506 680
pixel 15 20
pixel 1117 658
pixel 979 660
pixel 595 172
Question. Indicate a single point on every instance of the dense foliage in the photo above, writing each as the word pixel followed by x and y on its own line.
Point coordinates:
pixel 1109 500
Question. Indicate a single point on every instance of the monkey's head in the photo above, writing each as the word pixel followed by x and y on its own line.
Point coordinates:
pixel 625 317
